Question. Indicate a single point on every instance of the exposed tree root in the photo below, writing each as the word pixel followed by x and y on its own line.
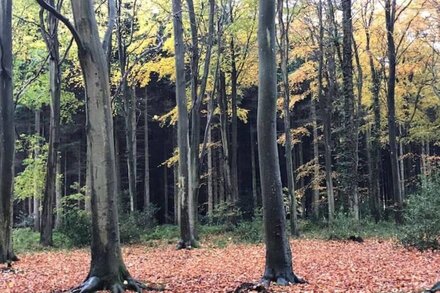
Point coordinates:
pixel 282 279
pixel 187 245
pixel 435 288
pixel 94 284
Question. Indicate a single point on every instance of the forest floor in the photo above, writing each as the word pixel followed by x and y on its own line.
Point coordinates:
pixel 328 266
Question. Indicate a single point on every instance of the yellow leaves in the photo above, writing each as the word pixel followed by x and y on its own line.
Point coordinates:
pixel 307 71
pixel 296 135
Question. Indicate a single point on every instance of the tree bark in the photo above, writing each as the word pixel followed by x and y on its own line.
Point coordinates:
pixel 253 166
pixel 107 270
pixel 7 133
pixel 53 46
pixel 58 197
pixel 390 14
pixel 186 232
pixel 375 131
pixel 349 179
pixel 147 196
pixel 284 54
pixel 37 195
pixel 278 253
pixel 234 143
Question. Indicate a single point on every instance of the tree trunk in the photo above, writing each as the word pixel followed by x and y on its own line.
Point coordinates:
pixel 278 254
pixel 165 193
pixel 234 143
pixel 375 131
pixel 147 197
pixel 253 166
pixel 7 133
pixel 210 165
pixel 284 54
pixel 390 13
pixel 349 174
pixel 186 233
pixel 53 46
pixel 107 269
pixel 58 198
pixel 315 182
pixel 37 195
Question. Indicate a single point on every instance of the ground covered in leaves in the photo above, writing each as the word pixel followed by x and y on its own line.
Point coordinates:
pixel 328 266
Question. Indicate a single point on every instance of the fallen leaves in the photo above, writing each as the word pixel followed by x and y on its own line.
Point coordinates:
pixel 328 266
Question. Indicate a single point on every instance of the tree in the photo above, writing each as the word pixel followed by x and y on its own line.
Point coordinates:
pixel 390 19
pixel 284 25
pixel 53 45
pixel 107 270
pixel 350 179
pixel 7 133
pixel 186 233
pixel 278 254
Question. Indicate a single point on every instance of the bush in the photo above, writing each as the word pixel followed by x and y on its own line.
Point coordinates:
pixel 249 231
pixel 225 214
pixel 344 226
pixel 164 232
pixel 421 214
pixel 132 226
pixel 76 226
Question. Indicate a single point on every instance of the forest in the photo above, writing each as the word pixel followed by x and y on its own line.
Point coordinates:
pixel 219 146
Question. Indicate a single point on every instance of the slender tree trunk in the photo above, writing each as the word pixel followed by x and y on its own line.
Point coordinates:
pixel 402 162
pixel 165 193
pixel 315 183
pixel 53 46
pixel 7 133
pixel 234 143
pixel 390 14
pixel 37 195
pixel 210 165
pixel 147 197
pixel 186 232
pixel 284 54
pixel 278 254
pixel 253 166
pixel 375 131
pixel 58 198
pixel 224 136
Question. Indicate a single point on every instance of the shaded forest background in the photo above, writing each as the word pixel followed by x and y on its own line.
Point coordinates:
pixel 340 138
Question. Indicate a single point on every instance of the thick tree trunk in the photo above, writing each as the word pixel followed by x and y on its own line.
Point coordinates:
pixel 326 114
pixel 349 180
pixel 390 13
pixel 186 232
pixel 278 253
pixel 107 270
pixel 7 133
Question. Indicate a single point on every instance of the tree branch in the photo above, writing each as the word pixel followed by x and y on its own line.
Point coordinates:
pixel 64 20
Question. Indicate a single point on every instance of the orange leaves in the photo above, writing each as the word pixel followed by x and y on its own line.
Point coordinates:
pixel 328 266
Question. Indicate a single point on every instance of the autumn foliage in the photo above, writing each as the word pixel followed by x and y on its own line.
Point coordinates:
pixel 328 266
